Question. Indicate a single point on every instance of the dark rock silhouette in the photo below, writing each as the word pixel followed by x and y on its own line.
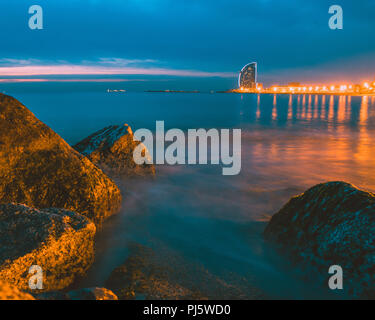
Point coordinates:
pixel 38 168
pixel 331 224
pixel 61 242
pixel 111 149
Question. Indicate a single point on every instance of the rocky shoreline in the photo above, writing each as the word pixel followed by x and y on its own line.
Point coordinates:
pixel 52 200
pixel 54 197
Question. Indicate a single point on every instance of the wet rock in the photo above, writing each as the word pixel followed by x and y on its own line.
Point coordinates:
pixel 111 149
pixel 38 168
pixel 80 294
pixel 140 278
pixel 10 292
pixel 331 224
pixel 61 242
pixel 92 294
pixel 51 295
pixel 159 272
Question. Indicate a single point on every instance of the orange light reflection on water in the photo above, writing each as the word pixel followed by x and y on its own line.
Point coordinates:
pixel 333 144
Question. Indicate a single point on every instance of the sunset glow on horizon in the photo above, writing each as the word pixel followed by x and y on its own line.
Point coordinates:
pixel 70 69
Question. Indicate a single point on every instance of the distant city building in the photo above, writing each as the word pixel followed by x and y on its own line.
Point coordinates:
pixel 259 86
pixel 294 84
pixel 248 76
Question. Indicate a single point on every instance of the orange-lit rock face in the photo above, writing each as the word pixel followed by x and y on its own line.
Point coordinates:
pixel 111 149
pixel 59 241
pixel 92 294
pixel 10 292
pixel 38 168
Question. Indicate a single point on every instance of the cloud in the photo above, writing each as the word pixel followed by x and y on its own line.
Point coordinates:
pixel 102 66
pixel 15 80
pixel 126 62
pixel 23 62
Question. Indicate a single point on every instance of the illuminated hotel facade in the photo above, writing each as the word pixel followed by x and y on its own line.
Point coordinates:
pixel 248 76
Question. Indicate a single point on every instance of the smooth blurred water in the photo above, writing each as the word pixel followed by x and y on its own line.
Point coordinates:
pixel 289 143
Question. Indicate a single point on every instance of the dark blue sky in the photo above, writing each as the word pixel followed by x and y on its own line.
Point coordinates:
pixel 289 39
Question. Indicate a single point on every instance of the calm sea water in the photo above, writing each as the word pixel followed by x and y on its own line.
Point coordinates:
pixel 214 222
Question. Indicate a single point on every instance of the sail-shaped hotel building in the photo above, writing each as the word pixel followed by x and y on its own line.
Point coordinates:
pixel 248 76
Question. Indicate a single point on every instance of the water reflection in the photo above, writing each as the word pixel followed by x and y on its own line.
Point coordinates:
pixel 315 139
pixel 274 109
pixel 338 110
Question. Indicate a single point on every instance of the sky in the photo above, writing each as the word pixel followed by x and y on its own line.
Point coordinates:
pixel 187 41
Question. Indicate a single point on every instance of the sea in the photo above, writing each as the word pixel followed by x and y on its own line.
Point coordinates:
pixel 194 218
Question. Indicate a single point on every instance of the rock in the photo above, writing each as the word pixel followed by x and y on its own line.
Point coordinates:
pixel 80 294
pixel 160 272
pixel 140 278
pixel 10 292
pixel 331 224
pixel 38 168
pixel 111 149
pixel 51 295
pixel 59 241
pixel 92 294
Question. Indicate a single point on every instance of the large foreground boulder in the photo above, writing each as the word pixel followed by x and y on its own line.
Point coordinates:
pixel 38 168
pixel 111 149
pixel 10 292
pixel 61 242
pixel 331 224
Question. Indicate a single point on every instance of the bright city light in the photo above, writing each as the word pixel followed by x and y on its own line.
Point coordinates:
pixel 365 88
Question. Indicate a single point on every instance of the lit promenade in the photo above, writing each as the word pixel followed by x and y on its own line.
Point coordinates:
pixel 366 88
